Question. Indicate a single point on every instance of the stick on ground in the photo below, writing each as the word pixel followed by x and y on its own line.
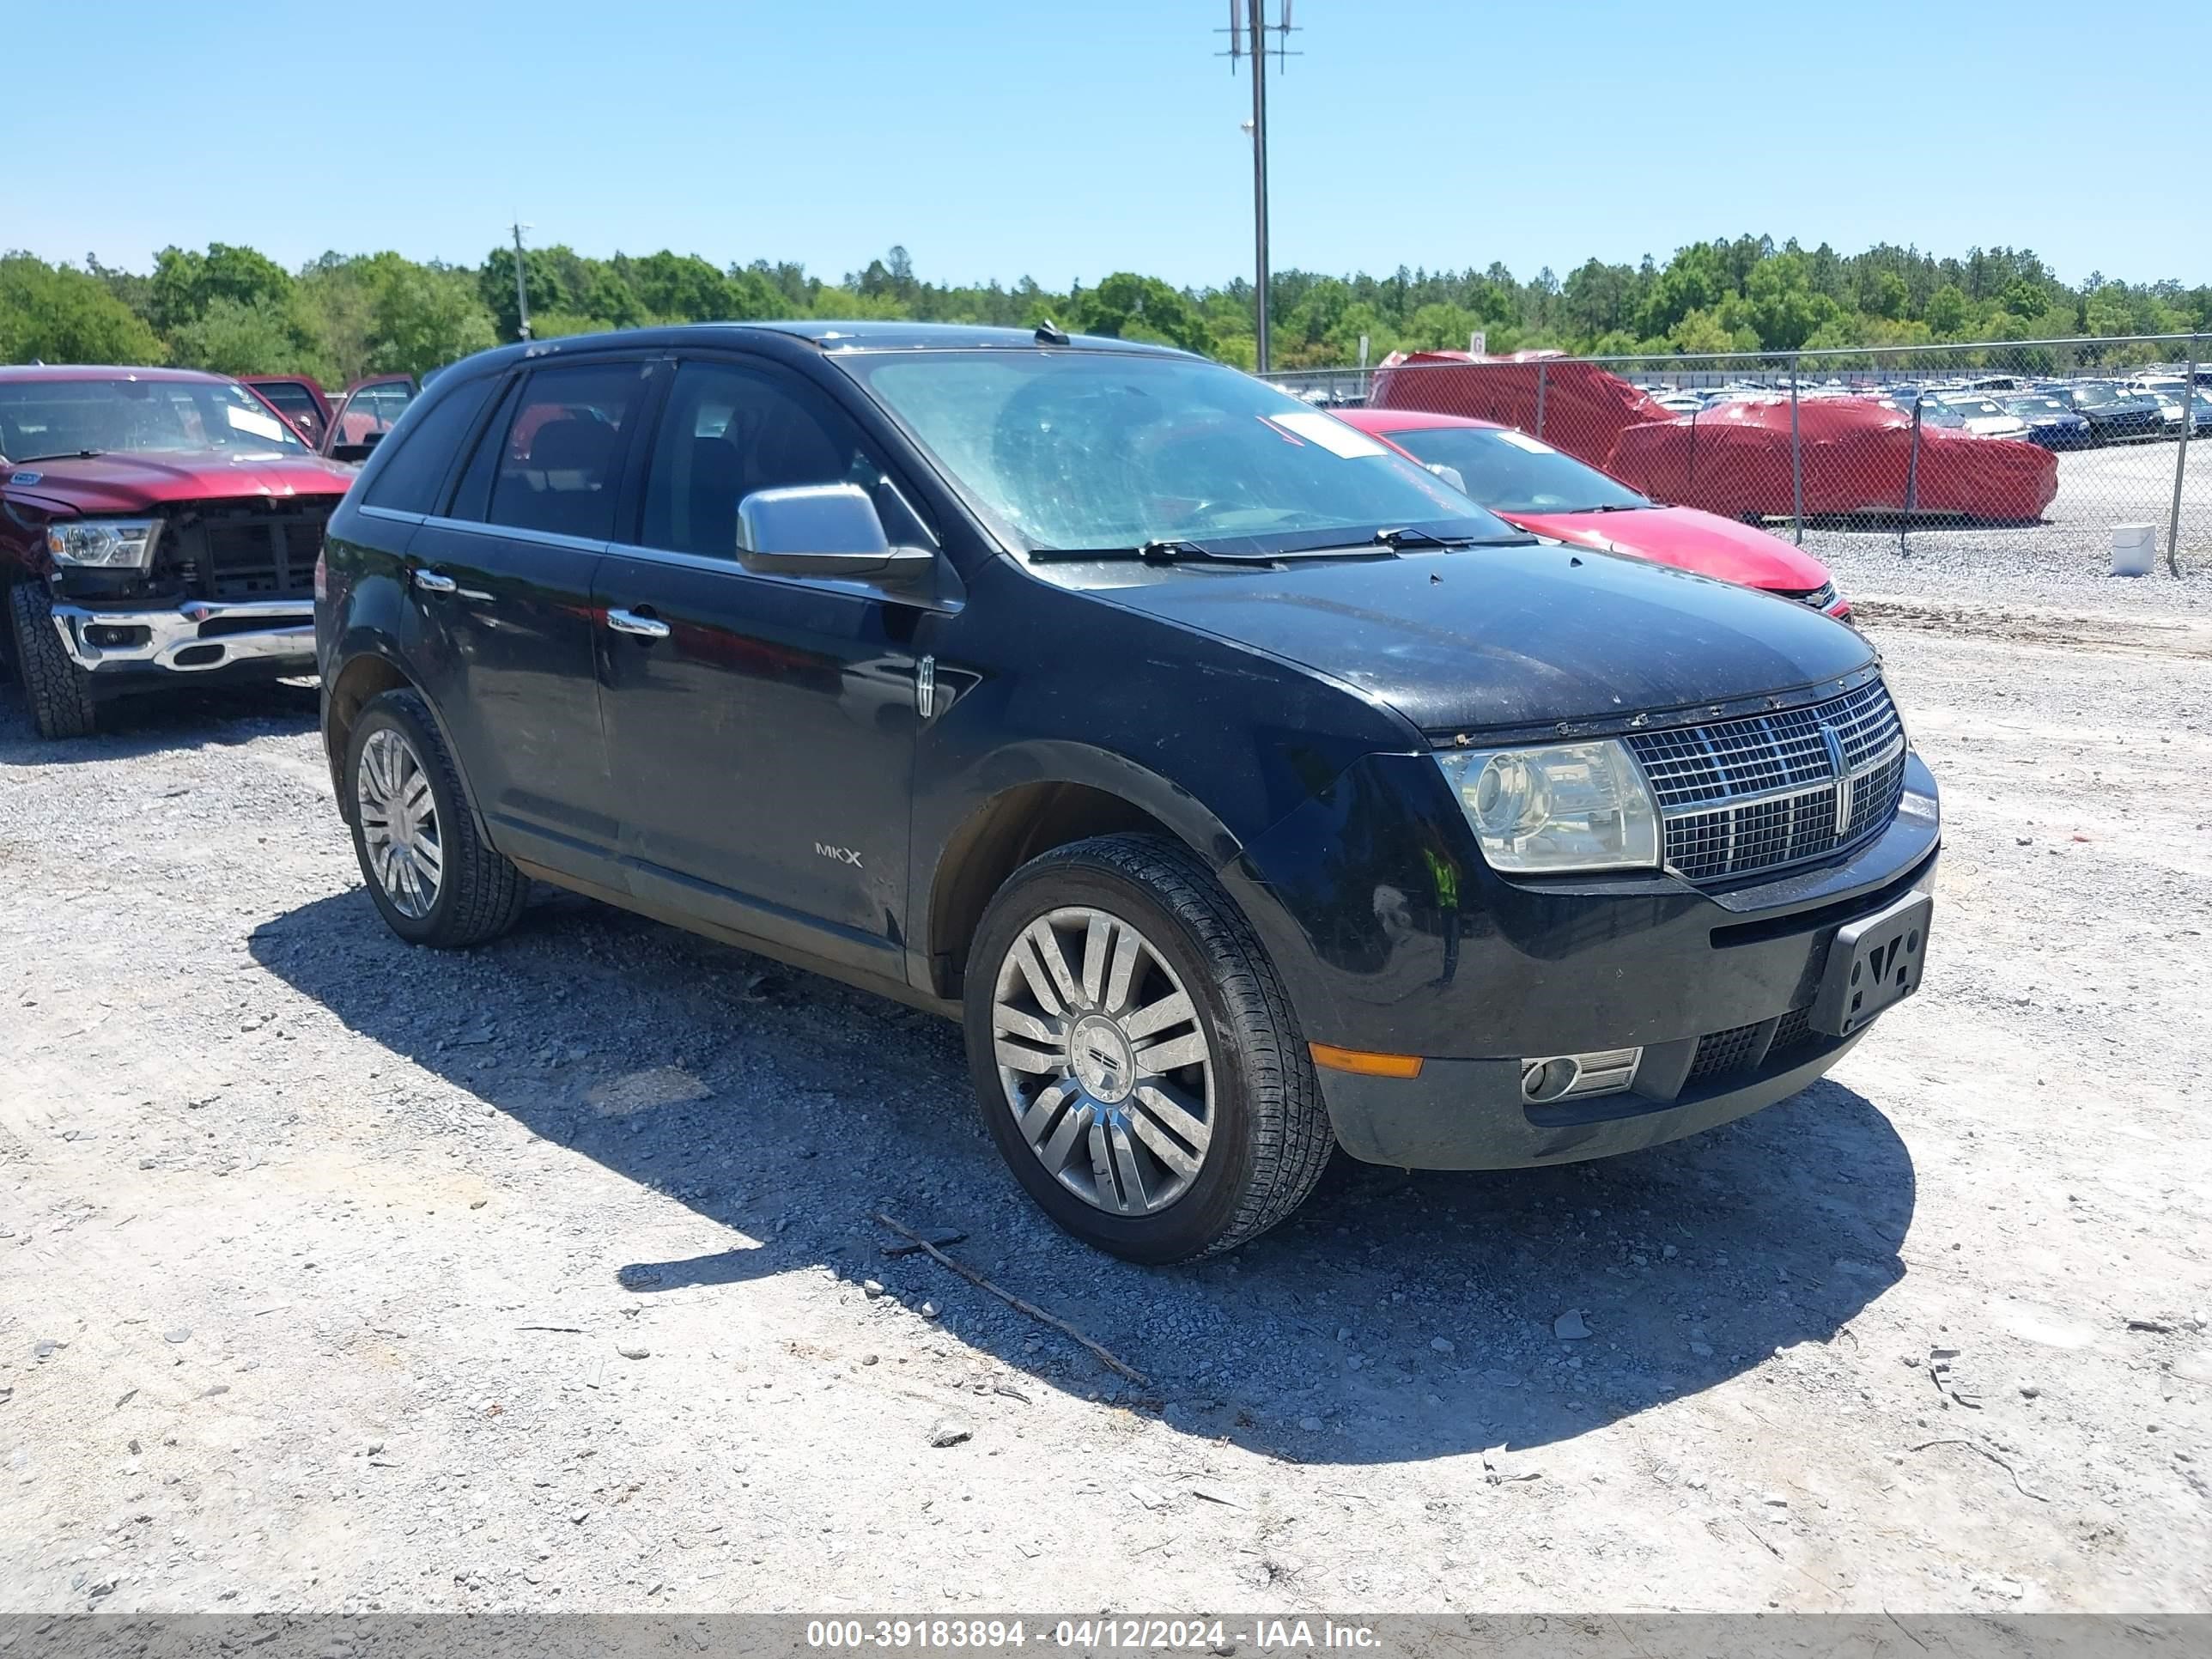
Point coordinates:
pixel 1984 1451
pixel 1015 1302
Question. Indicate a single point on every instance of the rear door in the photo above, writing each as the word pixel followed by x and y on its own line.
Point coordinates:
pixel 504 581
pixel 761 729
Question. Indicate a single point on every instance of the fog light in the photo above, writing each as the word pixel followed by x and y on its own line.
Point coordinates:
pixel 1577 1077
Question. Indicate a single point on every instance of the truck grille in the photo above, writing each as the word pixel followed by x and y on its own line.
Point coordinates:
pixel 1774 790
pixel 257 549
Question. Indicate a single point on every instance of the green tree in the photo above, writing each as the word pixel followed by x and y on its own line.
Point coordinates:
pixel 1696 279
pixel 1128 305
pixel 185 284
pixel 245 337
pixel 1890 297
pixel 54 313
pixel 1947 310
pixel 422 317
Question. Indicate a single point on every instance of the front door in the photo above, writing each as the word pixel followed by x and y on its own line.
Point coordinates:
pixel 504 579
pixel 760 728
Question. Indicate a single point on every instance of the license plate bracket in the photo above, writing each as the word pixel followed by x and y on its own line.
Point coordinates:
pixel 1873 963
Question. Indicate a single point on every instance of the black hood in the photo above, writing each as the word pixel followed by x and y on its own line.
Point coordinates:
pixel 1508 637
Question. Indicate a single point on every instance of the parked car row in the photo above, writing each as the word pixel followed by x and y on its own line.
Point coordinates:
pixel 1245 787
pixel 2055 414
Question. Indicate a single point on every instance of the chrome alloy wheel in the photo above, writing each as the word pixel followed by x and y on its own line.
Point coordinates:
pixel 1103 1061
pixel 399 823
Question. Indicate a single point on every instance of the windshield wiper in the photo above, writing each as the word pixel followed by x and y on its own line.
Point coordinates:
pixel 1610 507
pixel 1406 535
pixel 59 455
pixel 1166 550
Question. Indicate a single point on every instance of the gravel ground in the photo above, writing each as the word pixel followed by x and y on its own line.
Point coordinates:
pixel 339 1276
pixel 2066 560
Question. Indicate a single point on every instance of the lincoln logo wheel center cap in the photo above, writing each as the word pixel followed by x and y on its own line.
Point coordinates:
pixel 1102 1059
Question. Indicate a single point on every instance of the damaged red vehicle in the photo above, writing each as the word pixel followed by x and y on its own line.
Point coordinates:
pixel 1858 458
pixel 155 524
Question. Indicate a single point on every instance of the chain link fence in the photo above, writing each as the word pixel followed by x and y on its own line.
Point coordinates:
pixel 2067 457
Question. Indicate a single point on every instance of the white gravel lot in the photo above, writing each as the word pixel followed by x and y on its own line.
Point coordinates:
pixel 339 1276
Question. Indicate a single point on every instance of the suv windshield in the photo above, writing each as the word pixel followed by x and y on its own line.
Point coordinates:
pixel 42 418
pixel 1512 472
pixel 1107 451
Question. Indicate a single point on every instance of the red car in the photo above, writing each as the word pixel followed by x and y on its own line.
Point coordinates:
pixel 154 523
pixel 1543 490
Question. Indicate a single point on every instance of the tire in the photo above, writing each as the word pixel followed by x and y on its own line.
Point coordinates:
pixel 1267 1134
pixel 59 693
pixel 432 877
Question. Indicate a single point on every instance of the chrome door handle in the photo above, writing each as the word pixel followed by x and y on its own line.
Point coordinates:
pixel 431 582
pixel 628 622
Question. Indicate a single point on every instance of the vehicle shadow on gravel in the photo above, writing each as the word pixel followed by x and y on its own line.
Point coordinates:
pixel 1395 1317
pixel 182 716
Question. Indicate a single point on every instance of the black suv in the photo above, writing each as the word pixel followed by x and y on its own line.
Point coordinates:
pixel 1247 790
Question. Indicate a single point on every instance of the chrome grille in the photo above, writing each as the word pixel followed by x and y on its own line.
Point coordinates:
pixel 1819 599
pixel 1768 791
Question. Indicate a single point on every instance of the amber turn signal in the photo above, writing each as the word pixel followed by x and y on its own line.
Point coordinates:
pixel 1363 1064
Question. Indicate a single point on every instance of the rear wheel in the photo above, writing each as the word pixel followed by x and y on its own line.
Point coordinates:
pixel 1136 1060
pixel 434 879
pixel 59 693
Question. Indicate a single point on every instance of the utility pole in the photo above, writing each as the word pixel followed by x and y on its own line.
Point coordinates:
pixel 1248 36
pixel 521 292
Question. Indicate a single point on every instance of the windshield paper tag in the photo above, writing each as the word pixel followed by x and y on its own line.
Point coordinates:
pixel 1329 433
pixel 260 425
pixel 1522 440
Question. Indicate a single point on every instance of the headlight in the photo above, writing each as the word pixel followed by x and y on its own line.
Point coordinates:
pixel 110 544
pixel 1564 807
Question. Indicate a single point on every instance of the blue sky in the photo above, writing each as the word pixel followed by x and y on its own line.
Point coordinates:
pixel 998 139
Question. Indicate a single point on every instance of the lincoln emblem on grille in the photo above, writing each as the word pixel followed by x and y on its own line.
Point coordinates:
pixel 1839 769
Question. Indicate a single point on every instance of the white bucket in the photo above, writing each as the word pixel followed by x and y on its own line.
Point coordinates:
pixel 2135 549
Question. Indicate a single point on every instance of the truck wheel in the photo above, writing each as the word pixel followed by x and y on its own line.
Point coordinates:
pixel 434 879
pixel 58 692
pixel 1136 1057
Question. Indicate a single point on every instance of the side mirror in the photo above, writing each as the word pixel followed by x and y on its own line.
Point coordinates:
pixel 823 529
pixel 1450 475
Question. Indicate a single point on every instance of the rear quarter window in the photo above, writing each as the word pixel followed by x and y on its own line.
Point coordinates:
pixel 412 478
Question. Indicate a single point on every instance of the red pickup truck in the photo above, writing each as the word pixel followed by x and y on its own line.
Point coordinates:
pixel 154 523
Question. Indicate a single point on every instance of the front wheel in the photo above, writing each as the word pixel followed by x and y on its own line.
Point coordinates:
pixel 1136 1058
pixel 60 692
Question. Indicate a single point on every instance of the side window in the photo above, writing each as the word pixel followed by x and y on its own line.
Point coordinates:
pixel 296 405
pixel 728 431
pixel 558 464
pixel 370 411
pixel 412 479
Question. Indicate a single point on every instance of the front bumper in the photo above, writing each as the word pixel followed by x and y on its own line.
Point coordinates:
pixel 195 636
pixel 1441 959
